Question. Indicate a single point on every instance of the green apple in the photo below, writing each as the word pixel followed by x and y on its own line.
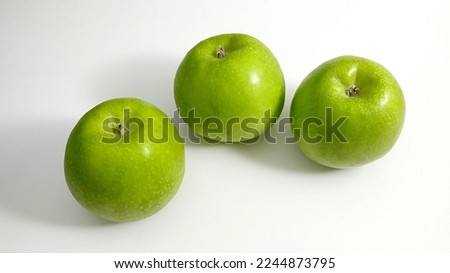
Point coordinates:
pixel 229 88
pixel 347 112
pixel 124 160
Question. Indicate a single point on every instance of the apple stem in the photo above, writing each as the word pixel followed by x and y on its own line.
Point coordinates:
pixel 352 91
pixel 221 52
pixel 121 130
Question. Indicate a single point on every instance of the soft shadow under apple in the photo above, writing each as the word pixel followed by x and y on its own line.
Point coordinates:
pixel 32 183
pixel 276 152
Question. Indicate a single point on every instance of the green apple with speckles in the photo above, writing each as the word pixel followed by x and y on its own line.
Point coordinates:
pixel 229 88
pixel 124 160
pixel 347 112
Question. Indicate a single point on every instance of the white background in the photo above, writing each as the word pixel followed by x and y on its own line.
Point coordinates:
pixel 60 58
